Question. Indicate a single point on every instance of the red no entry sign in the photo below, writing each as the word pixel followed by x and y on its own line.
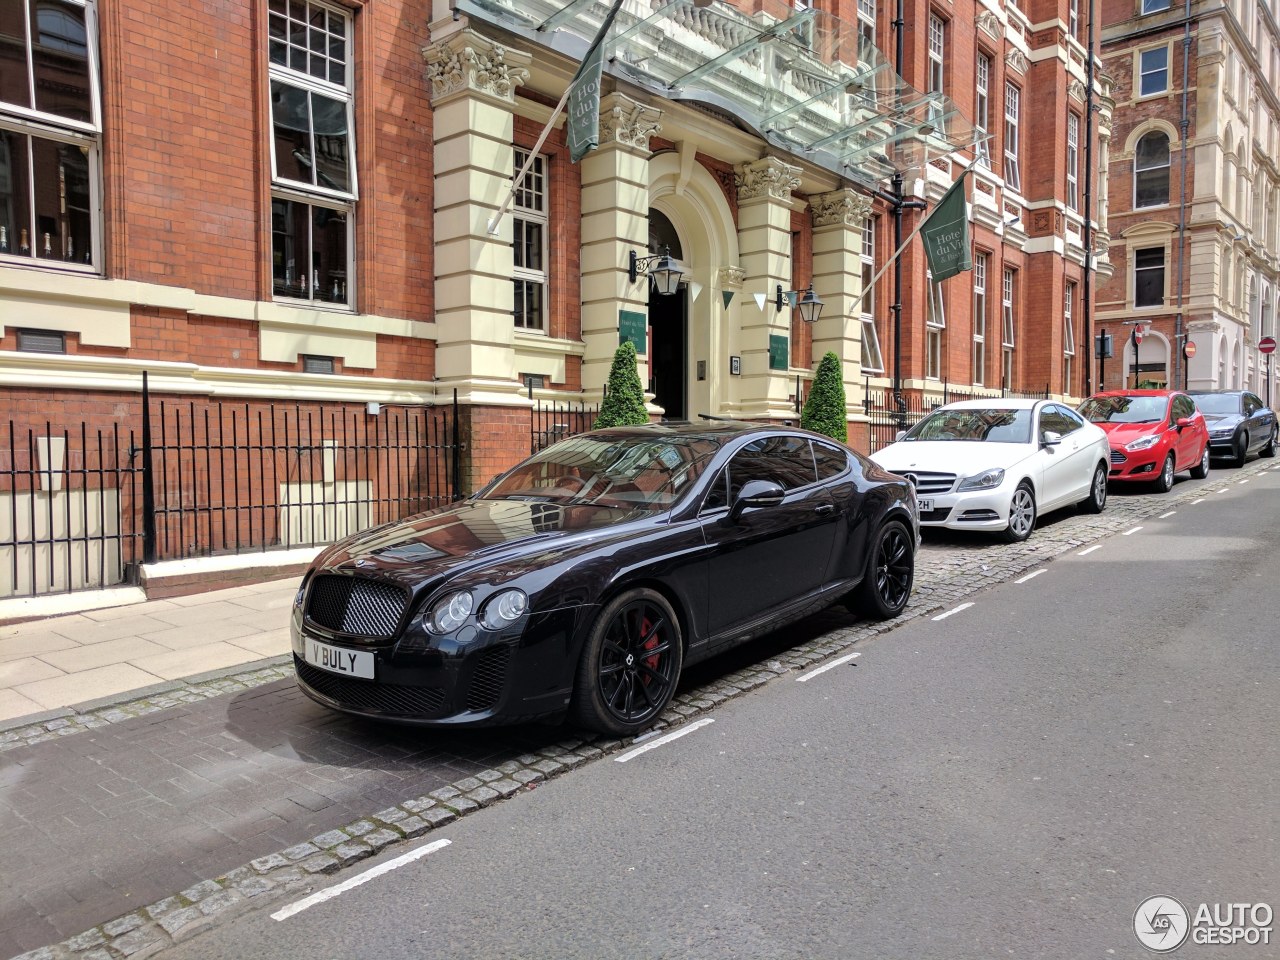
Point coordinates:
pixel 1189 349
pixel 1267 345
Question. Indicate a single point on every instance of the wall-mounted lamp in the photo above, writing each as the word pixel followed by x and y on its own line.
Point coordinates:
pixel 663 269
pixel 810 306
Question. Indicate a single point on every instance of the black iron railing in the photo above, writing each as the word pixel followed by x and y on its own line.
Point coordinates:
pixel 81 509
pixel 889 417
pixel 549 422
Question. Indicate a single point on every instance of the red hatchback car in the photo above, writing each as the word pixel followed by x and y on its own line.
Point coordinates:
pixel 1154 434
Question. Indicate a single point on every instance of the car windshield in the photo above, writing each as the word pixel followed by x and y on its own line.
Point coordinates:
pixel 1125 409
pixel 637 473
pixel 1217 402
pixel 992 424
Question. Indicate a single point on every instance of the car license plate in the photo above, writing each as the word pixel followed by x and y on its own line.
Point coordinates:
pixel 923 506
pixel 352 663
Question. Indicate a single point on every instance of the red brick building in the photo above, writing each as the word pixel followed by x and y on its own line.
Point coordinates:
pixel 289 202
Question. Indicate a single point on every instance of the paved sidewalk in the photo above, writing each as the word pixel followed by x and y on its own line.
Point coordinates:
pixel 49 666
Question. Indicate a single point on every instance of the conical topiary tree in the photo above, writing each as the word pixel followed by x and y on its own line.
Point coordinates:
pixel 824 411
pixel 624 402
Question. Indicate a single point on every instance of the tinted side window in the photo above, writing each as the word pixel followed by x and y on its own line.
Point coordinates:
pixel 831 461
pixel 784 460
pixel 1183 407
pixel 1251 404
pixel 1054 418
pixel 718 492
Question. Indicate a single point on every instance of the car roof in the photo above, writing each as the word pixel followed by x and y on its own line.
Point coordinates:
pixel 1136 393
pixel 718 429
pixel 1225 393
pixel 993 403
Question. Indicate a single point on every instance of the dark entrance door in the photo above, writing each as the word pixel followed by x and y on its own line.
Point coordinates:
pixel 667 328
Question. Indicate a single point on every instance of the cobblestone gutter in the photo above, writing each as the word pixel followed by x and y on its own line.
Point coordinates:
pixel 946 576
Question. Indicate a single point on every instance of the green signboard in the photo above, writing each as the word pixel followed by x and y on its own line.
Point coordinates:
pixel 632 326
pixel 778 352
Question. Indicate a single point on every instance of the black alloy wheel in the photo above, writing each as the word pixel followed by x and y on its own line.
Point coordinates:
pixel 630 664
pixel 1097 499
pixel 891 566
pixel 1164 482
pixel 1242 450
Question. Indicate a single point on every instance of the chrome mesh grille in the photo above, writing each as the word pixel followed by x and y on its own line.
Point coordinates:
pixel 389 698
pixel 488 679
pixel 1117 456
pixel 354 605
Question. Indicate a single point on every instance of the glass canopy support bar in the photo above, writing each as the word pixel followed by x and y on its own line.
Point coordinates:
pixel 567 12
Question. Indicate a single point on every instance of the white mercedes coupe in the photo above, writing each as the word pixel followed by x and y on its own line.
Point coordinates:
pixel 997 464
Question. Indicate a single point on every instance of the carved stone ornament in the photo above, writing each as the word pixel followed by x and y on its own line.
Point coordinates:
pixel 839 207
pixel 625 121
pixel 989 23
pixel 1017 60
pixel 1075 89
pixel 767 177
pixel 731 278
pixel 1204 326
pixel 468 61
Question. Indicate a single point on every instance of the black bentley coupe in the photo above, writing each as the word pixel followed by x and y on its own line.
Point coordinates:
pixel 585 578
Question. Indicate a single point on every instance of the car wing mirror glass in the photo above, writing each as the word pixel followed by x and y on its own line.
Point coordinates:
pixel 900 434
pixel 757 493
pixel 1050 439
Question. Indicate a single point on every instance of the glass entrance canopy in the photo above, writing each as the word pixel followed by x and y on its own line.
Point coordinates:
pixel 810 84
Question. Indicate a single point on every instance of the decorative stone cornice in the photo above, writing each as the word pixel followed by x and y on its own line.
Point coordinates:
pixel 845 206
pixel 766 177
pixel 1016 60
pixel 470 62
pixel 989 23
pixel 731 278
pixel 627 122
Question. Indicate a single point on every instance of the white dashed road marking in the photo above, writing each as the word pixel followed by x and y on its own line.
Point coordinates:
pixel 1194 502
pixel 673 735
pixel 1031 576
pixel 1088 550
pixel 370 874
pixel 1169 514
pixel 1245 480
pixel 943 616
pixel 1127 532
pixel 828 666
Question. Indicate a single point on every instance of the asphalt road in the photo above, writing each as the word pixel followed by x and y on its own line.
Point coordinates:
pixel 1009 779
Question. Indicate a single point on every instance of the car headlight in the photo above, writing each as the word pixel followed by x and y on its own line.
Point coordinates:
pixel 1143 443
pixel 986 480
pixel 504 609
pixel 1222 432
pixel 449 612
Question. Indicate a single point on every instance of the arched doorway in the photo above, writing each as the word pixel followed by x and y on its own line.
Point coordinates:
pixel 668 328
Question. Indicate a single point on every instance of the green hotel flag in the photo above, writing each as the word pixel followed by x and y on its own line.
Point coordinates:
pixel 946 234
pixel 584 94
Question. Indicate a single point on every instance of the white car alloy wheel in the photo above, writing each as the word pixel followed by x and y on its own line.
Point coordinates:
pixel 1022 514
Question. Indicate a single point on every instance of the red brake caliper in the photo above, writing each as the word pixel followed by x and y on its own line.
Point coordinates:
pixel 650 662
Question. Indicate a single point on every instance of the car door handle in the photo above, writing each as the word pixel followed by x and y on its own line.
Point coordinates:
pixel 824 509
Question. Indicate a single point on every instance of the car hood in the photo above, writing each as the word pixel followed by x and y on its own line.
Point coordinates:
pixel 1222 419
pixel 964 458
pixel 448 540
pixel 1121 433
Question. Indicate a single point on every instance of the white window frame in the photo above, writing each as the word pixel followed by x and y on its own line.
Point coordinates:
pixel 1008 326
pixel 1144 72
pixel 1164 280
pixel 316 195
pixel 935 322
pixel 867 21
pixel 1073 162
pixel 937 54
pixel 36 124
pixel 1012 110
pixel 1073 19
pixel 980 261
pixel 1154 6
pixel 1167 166
pixel 536 214
pixel 1068 334
pixel 982 107
pixel 872 357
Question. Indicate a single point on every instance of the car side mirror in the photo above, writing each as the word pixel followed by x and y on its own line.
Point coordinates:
pixel 1050 439
pixel 757 493
pixel 899 435
pixel 1184 422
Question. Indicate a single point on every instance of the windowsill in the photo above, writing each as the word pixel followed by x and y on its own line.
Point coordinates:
pixel 49 265
pixel 319 305
pixel 1152 96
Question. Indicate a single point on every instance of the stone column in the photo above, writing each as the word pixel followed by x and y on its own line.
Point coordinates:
pixel 473 81
pixel 837 280
pixel 764 252
pixel 615 221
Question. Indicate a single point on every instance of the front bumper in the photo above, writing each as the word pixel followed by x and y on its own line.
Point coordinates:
pixel 473 677
pixel 970 510
pixel 1141 465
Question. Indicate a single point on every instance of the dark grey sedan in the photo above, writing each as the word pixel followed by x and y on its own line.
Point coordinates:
pixel 1239 424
